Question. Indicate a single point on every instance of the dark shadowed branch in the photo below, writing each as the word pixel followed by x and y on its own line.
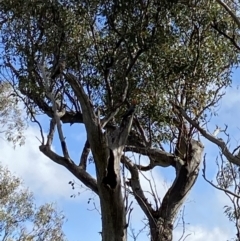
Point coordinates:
pixel 89 117
pixel 84 156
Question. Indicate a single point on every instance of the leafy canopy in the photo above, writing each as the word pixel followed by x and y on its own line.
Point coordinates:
pixel 121 51
pixel 20 219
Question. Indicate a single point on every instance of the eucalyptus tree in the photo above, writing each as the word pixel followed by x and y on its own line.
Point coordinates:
pixel 11 118
pixel 140 76
pixel 20 219
pixel 227 178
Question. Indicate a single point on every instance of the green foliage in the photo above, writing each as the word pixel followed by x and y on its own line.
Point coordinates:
pixel 11 116
pixel 20 219
pixel 151 51
pixel 158 54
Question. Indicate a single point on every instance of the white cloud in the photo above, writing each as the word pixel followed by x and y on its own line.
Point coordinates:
pixel 50 180
pixel 39 173
pixel 199 233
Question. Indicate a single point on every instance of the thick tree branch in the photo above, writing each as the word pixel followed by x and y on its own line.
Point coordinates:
pixel 92 123
pixel 89 118
pixel 219 142
pixel 158 157
pixel 186 176
pixel 77 171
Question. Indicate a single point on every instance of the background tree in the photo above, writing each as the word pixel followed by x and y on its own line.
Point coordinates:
pixel 164 62
pixel 227 178
pixel 11 118
pixel 19 217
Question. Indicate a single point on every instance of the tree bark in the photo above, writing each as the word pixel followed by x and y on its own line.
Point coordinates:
pixel 110 193
pixel 161 226
pixel 109 181
pixel 113 213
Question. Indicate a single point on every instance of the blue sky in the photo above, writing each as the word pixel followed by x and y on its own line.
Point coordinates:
pixel 204 216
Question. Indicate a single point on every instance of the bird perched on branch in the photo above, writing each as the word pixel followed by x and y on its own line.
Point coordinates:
pixel 59 67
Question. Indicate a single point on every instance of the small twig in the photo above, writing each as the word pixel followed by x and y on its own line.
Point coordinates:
pixel 137 189
pixel 183 222
pixel 152 191
pixel 129 215
pixel 212 184
pixel 219 142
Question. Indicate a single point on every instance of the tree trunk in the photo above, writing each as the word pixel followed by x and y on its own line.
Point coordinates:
pixel 107 147
pixel 109 182
pixel 111 199
pixel 161 231
pixel 162 225
pixel 113 214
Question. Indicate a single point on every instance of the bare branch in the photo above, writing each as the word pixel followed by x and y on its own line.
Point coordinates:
pixel 55 157
pixel 152 192
pixel 214 185
pixel 77 171
pixel 134 183
pixel 57 112
pixel 51 132
pixel 219 142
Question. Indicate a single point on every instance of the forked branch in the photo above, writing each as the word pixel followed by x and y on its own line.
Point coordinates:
pixel 58 113
pixel 77 171
pixel 134 183
pixel 218 141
